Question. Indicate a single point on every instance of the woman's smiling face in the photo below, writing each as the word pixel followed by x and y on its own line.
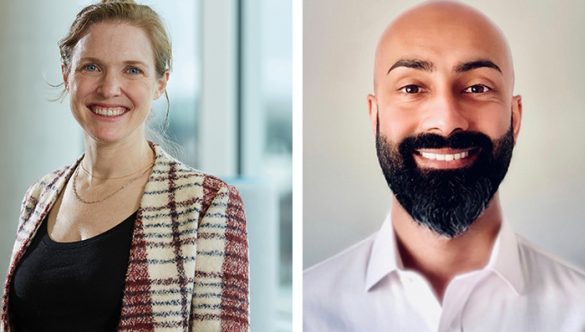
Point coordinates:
pixel 112 82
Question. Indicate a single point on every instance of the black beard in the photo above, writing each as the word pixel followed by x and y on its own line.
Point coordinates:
pixel 445 201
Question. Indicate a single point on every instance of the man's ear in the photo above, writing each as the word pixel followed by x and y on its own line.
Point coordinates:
pixel 516 115
pixel 161 85
pixel 373 111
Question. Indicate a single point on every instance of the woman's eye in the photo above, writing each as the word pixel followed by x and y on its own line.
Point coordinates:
pixel 90 67
pixel 134 71
pixel 477 88
pixel 411 89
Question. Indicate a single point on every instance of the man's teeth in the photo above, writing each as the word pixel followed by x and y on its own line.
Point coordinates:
pixel 444 157
pixel 115 111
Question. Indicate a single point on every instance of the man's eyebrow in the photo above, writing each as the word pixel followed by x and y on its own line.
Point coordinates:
pixel 467 66
pixel 414 64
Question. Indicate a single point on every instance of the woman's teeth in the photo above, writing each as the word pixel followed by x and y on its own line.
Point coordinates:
pixel 114 111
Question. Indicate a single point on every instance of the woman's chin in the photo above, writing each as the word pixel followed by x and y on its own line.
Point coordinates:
pixel 109 138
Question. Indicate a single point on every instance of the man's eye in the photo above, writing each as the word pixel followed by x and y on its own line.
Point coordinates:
pixel 477 88
pixel 411 89
pixel 90 67
pixel 134 71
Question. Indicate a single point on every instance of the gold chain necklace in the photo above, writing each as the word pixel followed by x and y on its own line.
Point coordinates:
pixel 114 178
pixel 109 195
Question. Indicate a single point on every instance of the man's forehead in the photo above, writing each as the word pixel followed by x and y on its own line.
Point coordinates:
pixel 441 13
pixel 443 34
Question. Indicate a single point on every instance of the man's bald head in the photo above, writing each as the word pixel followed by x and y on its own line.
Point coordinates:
pixel 448 30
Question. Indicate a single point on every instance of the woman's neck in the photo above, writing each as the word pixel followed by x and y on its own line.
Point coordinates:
pixel 113 160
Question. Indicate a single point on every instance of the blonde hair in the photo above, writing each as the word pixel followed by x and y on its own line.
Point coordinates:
pixel 126 11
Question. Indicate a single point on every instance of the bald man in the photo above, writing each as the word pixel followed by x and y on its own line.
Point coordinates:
pixel 446 121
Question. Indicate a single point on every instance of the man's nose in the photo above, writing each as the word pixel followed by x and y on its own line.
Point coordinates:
pixel 445 115
pixel 110 85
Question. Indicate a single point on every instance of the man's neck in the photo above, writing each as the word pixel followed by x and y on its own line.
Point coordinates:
pixel 438 258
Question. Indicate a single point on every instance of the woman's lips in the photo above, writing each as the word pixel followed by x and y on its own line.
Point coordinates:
pixel 108 111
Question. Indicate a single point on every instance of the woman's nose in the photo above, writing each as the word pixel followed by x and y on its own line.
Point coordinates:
pixel 110 86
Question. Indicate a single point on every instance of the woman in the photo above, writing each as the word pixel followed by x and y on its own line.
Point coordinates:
pixel 127 237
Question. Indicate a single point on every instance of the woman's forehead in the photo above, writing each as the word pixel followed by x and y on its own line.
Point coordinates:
pixel 115 42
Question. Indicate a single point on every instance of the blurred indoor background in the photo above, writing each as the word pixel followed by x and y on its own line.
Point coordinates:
pixel 230 93
pixel 345 196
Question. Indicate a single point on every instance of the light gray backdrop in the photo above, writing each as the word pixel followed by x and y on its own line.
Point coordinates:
pixel 345 195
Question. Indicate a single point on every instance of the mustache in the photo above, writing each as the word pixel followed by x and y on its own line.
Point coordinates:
pixel 457 140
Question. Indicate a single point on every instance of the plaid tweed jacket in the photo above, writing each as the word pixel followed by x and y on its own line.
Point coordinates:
pixel 188 265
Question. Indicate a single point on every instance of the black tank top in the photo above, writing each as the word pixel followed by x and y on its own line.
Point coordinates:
pixel 74 286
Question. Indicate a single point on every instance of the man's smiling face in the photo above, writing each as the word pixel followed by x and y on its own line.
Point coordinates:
pixel 444 114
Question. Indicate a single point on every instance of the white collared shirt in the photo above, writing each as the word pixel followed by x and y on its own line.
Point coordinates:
pixel 366 288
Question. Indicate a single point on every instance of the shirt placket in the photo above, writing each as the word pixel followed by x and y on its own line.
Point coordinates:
pixel 456 296
pixel 421 297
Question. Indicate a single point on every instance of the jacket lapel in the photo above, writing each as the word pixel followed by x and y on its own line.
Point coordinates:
pixel 160 273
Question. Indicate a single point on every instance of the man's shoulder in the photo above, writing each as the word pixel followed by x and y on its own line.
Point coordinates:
pixel 547 272
pixel 331 287
pixel 345 266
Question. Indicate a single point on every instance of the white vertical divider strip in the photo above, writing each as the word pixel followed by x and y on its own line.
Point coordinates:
pixel 218 94
pixel 297 116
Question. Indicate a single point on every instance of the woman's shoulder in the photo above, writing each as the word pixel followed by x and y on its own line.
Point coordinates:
pixel 182 176
pixel 43 191
pixel 48 181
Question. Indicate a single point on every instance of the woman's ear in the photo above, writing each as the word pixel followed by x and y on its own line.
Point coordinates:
pixel 161 85
pixel 65 74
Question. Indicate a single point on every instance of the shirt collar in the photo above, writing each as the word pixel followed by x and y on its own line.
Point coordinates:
pixel 384 256
pixel 504 259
